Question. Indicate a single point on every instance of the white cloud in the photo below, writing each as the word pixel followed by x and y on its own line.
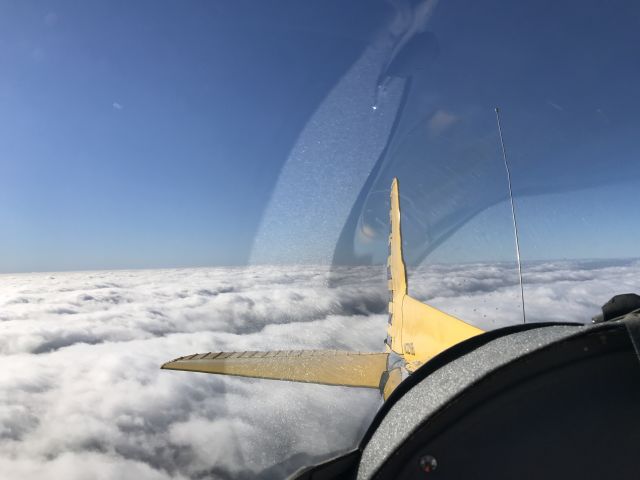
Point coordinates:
pixel 82 395
pixel 117 106
pixel 555 105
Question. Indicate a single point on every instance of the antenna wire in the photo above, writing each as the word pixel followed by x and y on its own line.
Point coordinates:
pixel 513 214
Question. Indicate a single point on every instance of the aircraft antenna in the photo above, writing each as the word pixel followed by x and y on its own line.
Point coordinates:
pixel 513 214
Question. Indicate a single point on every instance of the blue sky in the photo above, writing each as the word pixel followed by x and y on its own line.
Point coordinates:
pixel 152 134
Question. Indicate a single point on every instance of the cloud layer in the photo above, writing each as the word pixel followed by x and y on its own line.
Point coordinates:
pixel 82 396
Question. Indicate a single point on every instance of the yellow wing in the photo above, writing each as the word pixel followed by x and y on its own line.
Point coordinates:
pixel 329 367
pixel 417 331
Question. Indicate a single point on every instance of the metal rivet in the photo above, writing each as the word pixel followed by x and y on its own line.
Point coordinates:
pixel 428 463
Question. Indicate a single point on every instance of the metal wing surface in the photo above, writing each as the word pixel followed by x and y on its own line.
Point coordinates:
pixel 328 367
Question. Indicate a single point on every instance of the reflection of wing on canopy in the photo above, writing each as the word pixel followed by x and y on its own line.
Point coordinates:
pixel 416 333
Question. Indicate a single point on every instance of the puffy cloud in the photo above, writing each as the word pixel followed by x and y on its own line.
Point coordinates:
pixel 82 395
